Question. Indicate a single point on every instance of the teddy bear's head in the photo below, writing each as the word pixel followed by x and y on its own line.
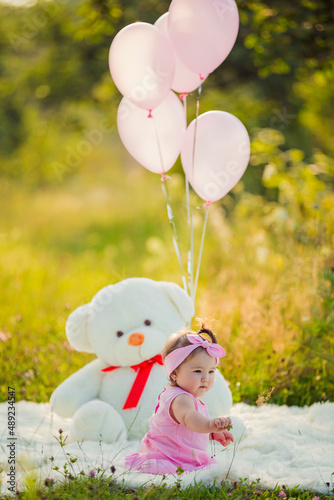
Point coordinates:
pixel 129 322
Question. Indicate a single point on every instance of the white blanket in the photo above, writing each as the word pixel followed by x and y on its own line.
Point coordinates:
pixel 285 445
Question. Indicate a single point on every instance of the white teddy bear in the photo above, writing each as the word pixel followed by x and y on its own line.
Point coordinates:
pixel 125 325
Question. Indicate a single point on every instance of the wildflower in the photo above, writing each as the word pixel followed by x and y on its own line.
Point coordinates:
pixel 49 481
pixel 3 337
pixel 60 431
pixel 264 397
pixel 29 374
pixel 51 459
pixel 92 473
pixel 113 469
pixel 282 494
pixel 315 498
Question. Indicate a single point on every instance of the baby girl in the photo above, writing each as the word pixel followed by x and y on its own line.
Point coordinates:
pixel 180 428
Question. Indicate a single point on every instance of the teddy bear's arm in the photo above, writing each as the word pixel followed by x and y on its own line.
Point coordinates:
pixel 77 390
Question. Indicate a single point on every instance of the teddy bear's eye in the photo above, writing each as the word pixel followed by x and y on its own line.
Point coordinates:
pixel 119 333
pixel 147 322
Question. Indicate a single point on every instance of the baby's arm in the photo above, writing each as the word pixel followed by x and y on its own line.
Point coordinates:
pixel 184 411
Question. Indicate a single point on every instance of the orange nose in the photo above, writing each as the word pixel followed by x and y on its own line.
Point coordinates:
pixel 136 339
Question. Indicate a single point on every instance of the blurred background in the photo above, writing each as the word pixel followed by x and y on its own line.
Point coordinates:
pixel 77 212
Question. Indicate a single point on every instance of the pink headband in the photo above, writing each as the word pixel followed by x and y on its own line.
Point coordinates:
pixel 176 357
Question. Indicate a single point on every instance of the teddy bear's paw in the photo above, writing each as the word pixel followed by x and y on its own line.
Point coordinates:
pixel 95 421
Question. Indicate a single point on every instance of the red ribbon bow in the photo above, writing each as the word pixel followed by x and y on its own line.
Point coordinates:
pixel 144 370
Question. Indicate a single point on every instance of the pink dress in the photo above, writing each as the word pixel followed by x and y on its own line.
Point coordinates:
pixel 168 444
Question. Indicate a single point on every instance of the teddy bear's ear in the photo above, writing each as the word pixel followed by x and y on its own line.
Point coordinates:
pixel 180 299
pixel 76 328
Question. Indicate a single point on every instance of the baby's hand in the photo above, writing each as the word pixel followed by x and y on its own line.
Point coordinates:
pixel 220 424
pixel 224 437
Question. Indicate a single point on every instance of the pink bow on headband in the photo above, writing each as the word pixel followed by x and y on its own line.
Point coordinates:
pixel 176 357
pixel 214 350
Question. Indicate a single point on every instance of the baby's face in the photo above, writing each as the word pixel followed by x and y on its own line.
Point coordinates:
pixel 196 375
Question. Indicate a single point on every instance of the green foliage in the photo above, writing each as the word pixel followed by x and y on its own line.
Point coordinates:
pixel 98 487
pixel 60 146
pixel 31 485
pixel 105 228
pixel 284 39
pixel 55 84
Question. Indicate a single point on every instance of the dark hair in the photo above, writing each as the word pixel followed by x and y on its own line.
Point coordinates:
pixel 180 340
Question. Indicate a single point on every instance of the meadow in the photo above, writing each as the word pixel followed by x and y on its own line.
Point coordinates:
pixel 266 287
pixel 73 220
pixel 266 284
pixel 266 281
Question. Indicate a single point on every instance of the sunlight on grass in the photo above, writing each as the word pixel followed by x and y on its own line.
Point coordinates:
pixel 59 245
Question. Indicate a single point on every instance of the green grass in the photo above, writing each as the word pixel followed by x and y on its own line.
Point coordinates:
pixel 266 288
pixel 99 488
pixel 59 245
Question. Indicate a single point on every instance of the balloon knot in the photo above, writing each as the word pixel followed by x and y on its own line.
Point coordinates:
pixel 207 204
pixel 164 177
pixel 201 77
pixel 183 95
pixel 149 113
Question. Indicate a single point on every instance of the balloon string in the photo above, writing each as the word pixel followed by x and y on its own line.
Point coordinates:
pixel 190 218
pixel 190 262
pixel 190 255
pixel 201 249
pixel 175 236
pixel 170 211
pixel 195 130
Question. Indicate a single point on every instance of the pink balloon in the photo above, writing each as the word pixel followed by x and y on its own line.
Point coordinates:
pixel 142 64
pixel 203 32
pixel 221 154
pixel 184 79
pixel 154 142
